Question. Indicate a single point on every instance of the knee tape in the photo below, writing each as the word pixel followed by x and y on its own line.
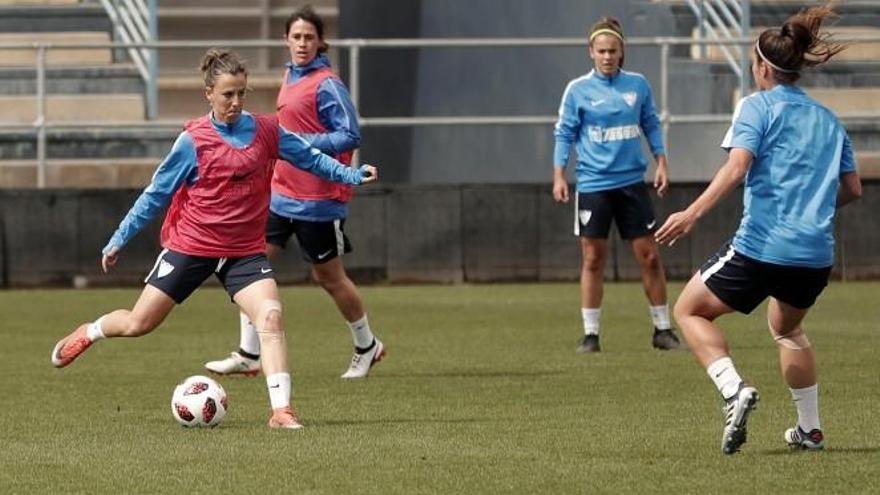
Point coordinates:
pixel 794 340
pixel 266 308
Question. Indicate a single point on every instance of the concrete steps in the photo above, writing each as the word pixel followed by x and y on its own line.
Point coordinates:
pixel 91 173
pixel 868 163
pixel 83 79
pixel 193 20
pixel 182 95
pixel 55 57
pixel 841 100
pixel 49 18
pixel 126 140
pixel 854 51
pixel 37 2
pixel 106 107
pixel 847 100
pixel 180 85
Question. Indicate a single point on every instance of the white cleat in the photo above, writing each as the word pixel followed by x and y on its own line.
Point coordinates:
pixel 737 410
pixel 235 364
pixel 361 363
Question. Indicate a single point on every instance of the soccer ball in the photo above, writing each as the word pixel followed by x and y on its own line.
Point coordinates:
pixel 199 401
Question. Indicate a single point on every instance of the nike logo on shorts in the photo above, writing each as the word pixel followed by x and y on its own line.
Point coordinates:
pixel 265 270
pixel 652 224
pixel 324 255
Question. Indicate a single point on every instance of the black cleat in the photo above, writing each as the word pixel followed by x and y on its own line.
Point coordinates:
pixel 589 344
pixel 665 340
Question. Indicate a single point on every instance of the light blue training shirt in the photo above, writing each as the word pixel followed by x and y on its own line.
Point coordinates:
pixel 605 118
pixel 181 166
pixel 800 151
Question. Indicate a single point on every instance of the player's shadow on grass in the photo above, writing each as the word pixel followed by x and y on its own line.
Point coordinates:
pixel 389 421
pixel 825 451
pixel 474 374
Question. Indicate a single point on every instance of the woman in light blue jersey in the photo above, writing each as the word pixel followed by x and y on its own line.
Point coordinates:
pixel 797 162
pixel 604 114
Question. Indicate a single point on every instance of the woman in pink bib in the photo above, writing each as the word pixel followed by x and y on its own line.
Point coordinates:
pixel 314 103
pixel 215 183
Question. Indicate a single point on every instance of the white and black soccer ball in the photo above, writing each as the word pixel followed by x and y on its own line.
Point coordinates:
pixel 199 401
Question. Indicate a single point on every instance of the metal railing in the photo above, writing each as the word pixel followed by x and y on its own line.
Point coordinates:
pixel 725 20
pixel 134 21
pixel 354 47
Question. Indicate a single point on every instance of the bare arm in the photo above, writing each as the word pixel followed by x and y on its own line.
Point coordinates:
pixel 730 175
pixel 850 189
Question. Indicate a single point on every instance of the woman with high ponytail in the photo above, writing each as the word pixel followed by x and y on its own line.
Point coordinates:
pixel 798 166
pixel 215 183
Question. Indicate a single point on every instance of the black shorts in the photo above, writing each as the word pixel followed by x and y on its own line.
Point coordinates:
pixel 319 242
pixel 629 207
pixel 743 283
pixel 178 274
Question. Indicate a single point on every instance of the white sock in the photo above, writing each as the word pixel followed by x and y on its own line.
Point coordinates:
pixel 360 332
pixel 660 317
pixel 806 400
pixel 250 341
pixel 94 331
pixel 724 374
pixel 279 389
pixel 591 320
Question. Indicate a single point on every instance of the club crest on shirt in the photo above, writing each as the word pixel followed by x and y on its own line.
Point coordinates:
pixel 630 98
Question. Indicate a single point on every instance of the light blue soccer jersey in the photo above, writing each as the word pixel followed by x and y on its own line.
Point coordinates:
pixel 800 151
pixel 605 118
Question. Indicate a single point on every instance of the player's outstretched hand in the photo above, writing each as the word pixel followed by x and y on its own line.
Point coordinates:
pixel 109 259
pixel 369 173
pixel 675 227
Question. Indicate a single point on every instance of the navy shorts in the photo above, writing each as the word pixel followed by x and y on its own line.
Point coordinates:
pixel 319 242
pixel 743 283
pixel 629 207
pixel 178 275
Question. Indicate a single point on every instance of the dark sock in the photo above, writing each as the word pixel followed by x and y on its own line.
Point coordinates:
pixel 248 355
pixel 362 350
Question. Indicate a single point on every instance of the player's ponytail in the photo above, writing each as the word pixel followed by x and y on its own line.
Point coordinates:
pixel 218 61
pixel 798 44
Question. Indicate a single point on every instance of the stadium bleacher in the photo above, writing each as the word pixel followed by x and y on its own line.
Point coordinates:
pixel 103 85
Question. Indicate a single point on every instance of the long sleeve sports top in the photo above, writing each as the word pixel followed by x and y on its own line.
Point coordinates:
pixel 181 166
pixel 605 118
pixel 337 114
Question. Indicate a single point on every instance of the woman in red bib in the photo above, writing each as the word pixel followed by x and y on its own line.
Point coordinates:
pixel 217 180
pixel 314 103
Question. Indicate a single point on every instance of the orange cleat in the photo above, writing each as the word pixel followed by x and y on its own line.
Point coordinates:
pixel 68 348
pixel 285 418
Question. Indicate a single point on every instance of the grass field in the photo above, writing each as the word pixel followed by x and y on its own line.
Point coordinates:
pixel 482 393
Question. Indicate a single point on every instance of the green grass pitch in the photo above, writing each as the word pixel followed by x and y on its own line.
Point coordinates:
pixel 482 392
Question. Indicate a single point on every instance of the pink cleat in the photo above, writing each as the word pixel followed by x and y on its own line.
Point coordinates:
pixel 68 348
pixel 284 418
